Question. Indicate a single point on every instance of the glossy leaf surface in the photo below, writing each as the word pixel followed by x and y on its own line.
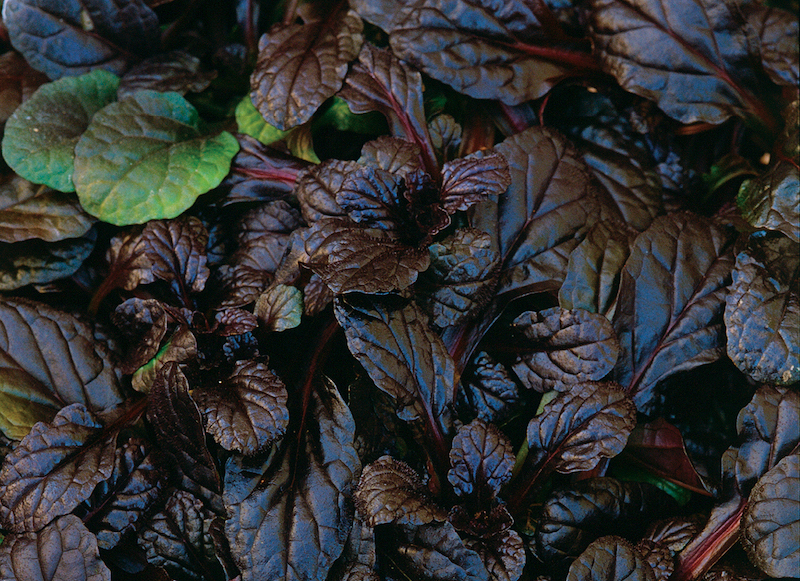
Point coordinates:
pixel 481 459
pixel 610 559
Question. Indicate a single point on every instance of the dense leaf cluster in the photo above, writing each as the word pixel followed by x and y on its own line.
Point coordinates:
pixel 384 290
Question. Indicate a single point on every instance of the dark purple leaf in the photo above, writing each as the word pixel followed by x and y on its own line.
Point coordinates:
pixel 580 427
pixel 489 390
pixel 475 48
pixel 178 427
pixel 176 71
pixel 381 82
pixel 70 38
pixel 769 431
pixel 63 551
pixel 405 359
pixel 178 539
pixel 594 269
pixel 280 307
pixel 371 197
pixel 461 277
pixel 691 58
pixel 117 505
pixel 317 187
pixel 247 412
pixel 49 359
pixel 54 469
pixel 144 322
pixel 762 311
pixel 481 459
pixel 562 348
pixel 49 216
pixel 40 262
pixel 541 217
pixel 611 559
pixel 503 555
pixel 671 297
pixel 573 518
pixel 658 446
pixel 291 514
pixel 435 552
pixel 177 252
pixel 771 521
pixel 231 322
pixel 18 81
pixel 367 260
pixel 770 200
pixel 392 154
pixel 472 179
pixel 129 264
pixel 390 491
pixel 445 136
pixel 180 347
pixel 301 65
pixel 777 32
pixel 658 558
pixel 359 558
pixel 674 533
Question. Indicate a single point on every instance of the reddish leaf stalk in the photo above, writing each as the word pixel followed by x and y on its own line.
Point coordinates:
pixel 696 561
pixel 574 58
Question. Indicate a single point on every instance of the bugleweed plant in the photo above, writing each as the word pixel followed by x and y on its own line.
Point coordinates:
pixel 390 290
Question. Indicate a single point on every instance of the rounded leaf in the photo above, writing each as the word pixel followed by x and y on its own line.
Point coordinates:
pixel 481 460
pixel 611 559
pixel 145 158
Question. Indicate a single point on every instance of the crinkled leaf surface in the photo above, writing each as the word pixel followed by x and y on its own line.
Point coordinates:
pixel 18 81
pixel 15 190
pixel 181 346
pixel 40 137
pixel 379 81
pixel 317 187
pixel 117 506
pixel 478 49
pixel 771 201
pixel 176 250
pixel 472 179
pixel 435 552
pixel 769 431
pixel 503 554
pixel 54 469
pixel 301 65
pixel 777 32
pixel 539 219
pixel 580 427
pixel 145 157
pixel 49 359
pixel 129 265
pixel 594 269
pixel 280 307
pixel 175 70
pixel 390 491
pixel 671 297
pixel 481 459
pixel 402 355
pixel 144 323
pixel 367 260
pixel 659 446
pixel 392 154
pixel 50 216
pixel 462 276
pixel 573 518
pixel 40 262
pixel 562 348
pixel 178 539
pixel 291 514
pixel 762 311
pixel 63 551
pixel 771 521
pixel 178 427
pixel 489 391
pixel 611 559
pixel 371 197
pixel 691 58
pixel 247 412
pixel 63 38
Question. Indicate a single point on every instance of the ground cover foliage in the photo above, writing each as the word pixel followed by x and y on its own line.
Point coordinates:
pixel 399 290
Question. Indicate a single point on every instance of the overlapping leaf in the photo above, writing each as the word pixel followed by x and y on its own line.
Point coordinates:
pixel 176 250
pixel 50 216
pixel 481 459
pixel 316 189
pixel 176 70
pixel 145 157
pixel 777 32
pixel 291 515
pixel 611 559
pixel 39 262
pixel 771 201
pixel 301 65
pixel 563 348
pixel 672 293
pixel 18 81
pixel 54 469
pixel 503 555
pixel 489 390
pixel 63 551
pixel 49 359
pixel 247 412
pixel 762 311
pixel 435 552
pixel 40 137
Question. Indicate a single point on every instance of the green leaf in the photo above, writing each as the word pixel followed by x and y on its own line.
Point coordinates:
pixel 40 137
pixel 145 157
pixel 251 123
pixel 339 116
